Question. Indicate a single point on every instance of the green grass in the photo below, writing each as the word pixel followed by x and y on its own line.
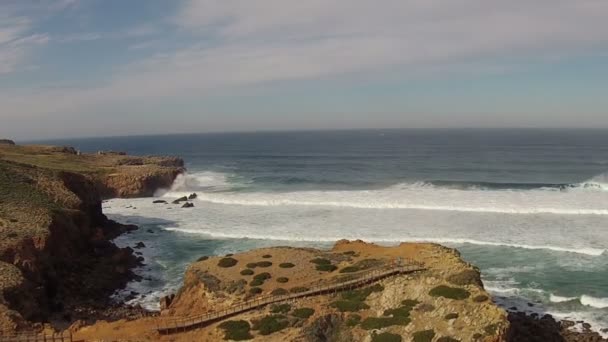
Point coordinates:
pixel 247 272
pixel 352 320
pixel 286 265
pixel 280 308
pixel 282 280
pixel 279 292
pixel 450 292
pixel 255 290
pixel 236 330
pixel 386 337
pixel 372 323
pixel 423 336
pixel 303 313
pixel 326 268
pixel 271 324
pixel 321 261
pixel 264 264
pixel 262 276
pixel 350 269
pixel 227 262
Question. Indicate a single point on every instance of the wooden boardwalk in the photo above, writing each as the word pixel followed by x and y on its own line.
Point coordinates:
pixel 34 337
pixel 175 325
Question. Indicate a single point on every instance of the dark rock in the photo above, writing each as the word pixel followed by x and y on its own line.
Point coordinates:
pixel 188 205
pixel 166 301
pixel 139 245
pixel 181 199
pixel 160 202
pixel 150 231
pixel 192 196
pixel 326 328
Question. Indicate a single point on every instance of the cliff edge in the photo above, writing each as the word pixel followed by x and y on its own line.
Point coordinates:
pixel 57 261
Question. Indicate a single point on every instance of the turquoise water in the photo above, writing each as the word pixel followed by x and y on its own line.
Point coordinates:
pixel 529 207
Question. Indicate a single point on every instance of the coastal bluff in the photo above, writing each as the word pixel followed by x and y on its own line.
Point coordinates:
pixel 442 300
pixel 57 261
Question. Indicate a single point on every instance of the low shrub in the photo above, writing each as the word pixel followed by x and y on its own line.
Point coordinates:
pixel 280 308
pixel 349 253
pixel 279 292
pixel 227 262
pixel 264 264
pixel 286 265
pixel 282 280
pixel 350 269
pixel 424 336
pixel 349 306
pixel 361 295
pixel 477 336
pixel 203 258
pixel 386 337
pixel 326 268
pixel 352 320
pixel 266 256
pixel 320 261
pixel 236 330
pixel 450 316
pixel 247 272
pixel 449 292
pixel 229 255
pixel 371 323
pixel 256 282
pixel 491 329
pixel 255 290
pixel 262 276
pixel 252 265
pixel 409 302
pixel 271 324
pixel 480 298
pixel 447 339
pixel 303 313
pixel 298 289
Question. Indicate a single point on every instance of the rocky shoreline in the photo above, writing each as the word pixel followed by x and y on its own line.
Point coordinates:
pixel 57 258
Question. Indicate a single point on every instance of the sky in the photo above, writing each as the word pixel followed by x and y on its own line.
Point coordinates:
pixel 79 68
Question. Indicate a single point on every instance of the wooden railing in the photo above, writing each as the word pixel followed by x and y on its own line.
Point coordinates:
pixel 174 325
pixel 34 337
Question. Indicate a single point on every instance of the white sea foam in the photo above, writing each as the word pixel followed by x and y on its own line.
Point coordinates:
pixel 599 303
pixel 559 299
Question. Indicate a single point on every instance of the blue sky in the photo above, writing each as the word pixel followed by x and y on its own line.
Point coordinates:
pixel 72 68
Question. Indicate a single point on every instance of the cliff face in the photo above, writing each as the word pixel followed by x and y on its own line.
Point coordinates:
pixel 56 258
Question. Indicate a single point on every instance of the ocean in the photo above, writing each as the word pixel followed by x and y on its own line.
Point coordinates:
pixel 529 207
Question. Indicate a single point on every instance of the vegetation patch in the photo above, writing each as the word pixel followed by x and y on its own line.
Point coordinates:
pixel 266 256
pixel 255 290
pixel 227 262
pixel 303 313
pixel 247 272
pixel 352 320
pixel 386 337
pixel 349 253
pixel 286 265
pixel 480 298
pixel 271 324
pixel 236 330
pixel 256 282
pixel 449 292
pixel 350 269
pixel 262 276
pixel 349 306
pixel 326 268
pixel 282 280
pixel 321 261
pixel 424 336
pixel 280 308
pixel 279 292
pixel 264 264
pixel 491 329
pixel 252 265
pixel 203 258
pixel 361 295
pixel 447 339
pixel 298 289
pixel 371 323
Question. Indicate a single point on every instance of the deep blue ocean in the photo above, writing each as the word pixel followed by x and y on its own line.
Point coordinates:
pixel 529 207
